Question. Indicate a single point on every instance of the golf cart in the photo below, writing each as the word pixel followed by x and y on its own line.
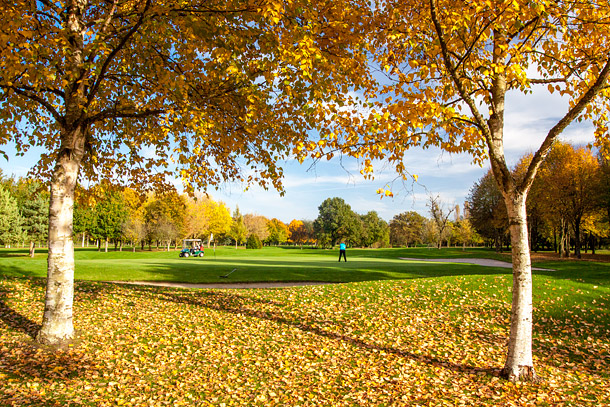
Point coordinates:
pixel 191 247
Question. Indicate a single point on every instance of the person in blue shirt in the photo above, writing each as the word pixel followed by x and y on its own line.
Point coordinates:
pixel 342 251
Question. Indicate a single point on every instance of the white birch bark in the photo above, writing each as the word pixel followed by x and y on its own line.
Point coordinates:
pixel 57 326
pixel 519 361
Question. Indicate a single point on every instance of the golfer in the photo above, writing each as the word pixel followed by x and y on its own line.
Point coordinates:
pixel 342 251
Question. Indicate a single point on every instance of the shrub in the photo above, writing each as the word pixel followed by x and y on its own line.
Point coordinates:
pixel 254 242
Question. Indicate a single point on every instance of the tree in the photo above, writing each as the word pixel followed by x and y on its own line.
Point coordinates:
pixel 487 210
pixel 134 228
pixel 10 219
pixel 254 242
pixel 218 219
pixel 440 217
pixel 278 232
pixel 163 217
pixel 33 201
pixel 336 221
pixel 238 230
pixel 35 214
pixel 300 231
pixel 569 178
pixel 596 227
pixel 196 223
pixel 256 224
pixel 202 83
pixel 534 205
pixel 449 67
pixel 464 233
pixel 84 213
pixel 375 230
pixel 406 229
pixel 603 185
pixel 110 216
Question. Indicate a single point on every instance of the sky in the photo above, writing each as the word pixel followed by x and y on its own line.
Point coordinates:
pixel 449 176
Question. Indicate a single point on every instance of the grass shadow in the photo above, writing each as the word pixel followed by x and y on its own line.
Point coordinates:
pixel 237 305
pixel 15 320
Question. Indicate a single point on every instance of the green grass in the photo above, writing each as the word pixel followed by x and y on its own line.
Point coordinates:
pixel 268 264
pixel 285 264
pixel 423 334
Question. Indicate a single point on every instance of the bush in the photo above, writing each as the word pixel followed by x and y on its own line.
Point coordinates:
pixel 254 242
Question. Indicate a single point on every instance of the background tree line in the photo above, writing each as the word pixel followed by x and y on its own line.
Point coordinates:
pixel 24 210
pixel 105 215
pixel 568 207
pixel 568 211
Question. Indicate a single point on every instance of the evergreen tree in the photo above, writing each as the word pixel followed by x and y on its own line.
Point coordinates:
pixel 254 242
pixel 238 231
pixel 111 215
pixel 34 209
pixel 10 219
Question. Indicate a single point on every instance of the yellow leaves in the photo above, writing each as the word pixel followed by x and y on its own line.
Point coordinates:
pixel 418 341
pixel 385 192
pixel 273 10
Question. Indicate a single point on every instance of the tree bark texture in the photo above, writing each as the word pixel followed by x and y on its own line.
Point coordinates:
pixel 57 326
pixel 519 362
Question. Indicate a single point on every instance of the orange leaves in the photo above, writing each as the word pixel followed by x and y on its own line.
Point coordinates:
pixel 428 341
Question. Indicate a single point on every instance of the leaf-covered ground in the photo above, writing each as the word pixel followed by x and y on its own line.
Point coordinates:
pixel 421 342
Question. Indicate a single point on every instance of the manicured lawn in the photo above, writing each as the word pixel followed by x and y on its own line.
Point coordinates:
pixel 425 334
pixel 268 264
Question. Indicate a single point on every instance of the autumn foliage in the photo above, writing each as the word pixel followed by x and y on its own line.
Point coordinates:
pixel 395 343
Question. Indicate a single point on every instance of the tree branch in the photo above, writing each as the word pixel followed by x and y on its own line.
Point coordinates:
pixel 32 96
pixel 599 84
pixel 100 78
pixel 547 81
pixel 452 70
pixel 119 114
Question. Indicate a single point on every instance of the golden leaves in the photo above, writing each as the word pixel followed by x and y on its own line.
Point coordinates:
pixel 437 341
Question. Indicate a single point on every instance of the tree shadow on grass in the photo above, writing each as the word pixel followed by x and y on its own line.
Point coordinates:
pixel 21 357
pixel 27 359
pixel 19 322
pixel 237 305
pixel 15 320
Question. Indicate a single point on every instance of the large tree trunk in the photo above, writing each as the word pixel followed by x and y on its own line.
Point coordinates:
pixel 32 248
pixel 57 327
pixel 564 239
pixel 519 362
pixel 577 242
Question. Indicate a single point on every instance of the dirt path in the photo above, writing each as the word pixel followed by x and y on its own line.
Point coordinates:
pixel 479 262
pixel 282 284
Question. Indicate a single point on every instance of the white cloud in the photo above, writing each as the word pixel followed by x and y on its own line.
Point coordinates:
pixel 528 119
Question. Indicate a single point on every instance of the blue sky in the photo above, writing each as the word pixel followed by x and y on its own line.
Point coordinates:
pixel 527 120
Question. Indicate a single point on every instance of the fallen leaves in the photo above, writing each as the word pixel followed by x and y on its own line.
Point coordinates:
pixel 418 342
